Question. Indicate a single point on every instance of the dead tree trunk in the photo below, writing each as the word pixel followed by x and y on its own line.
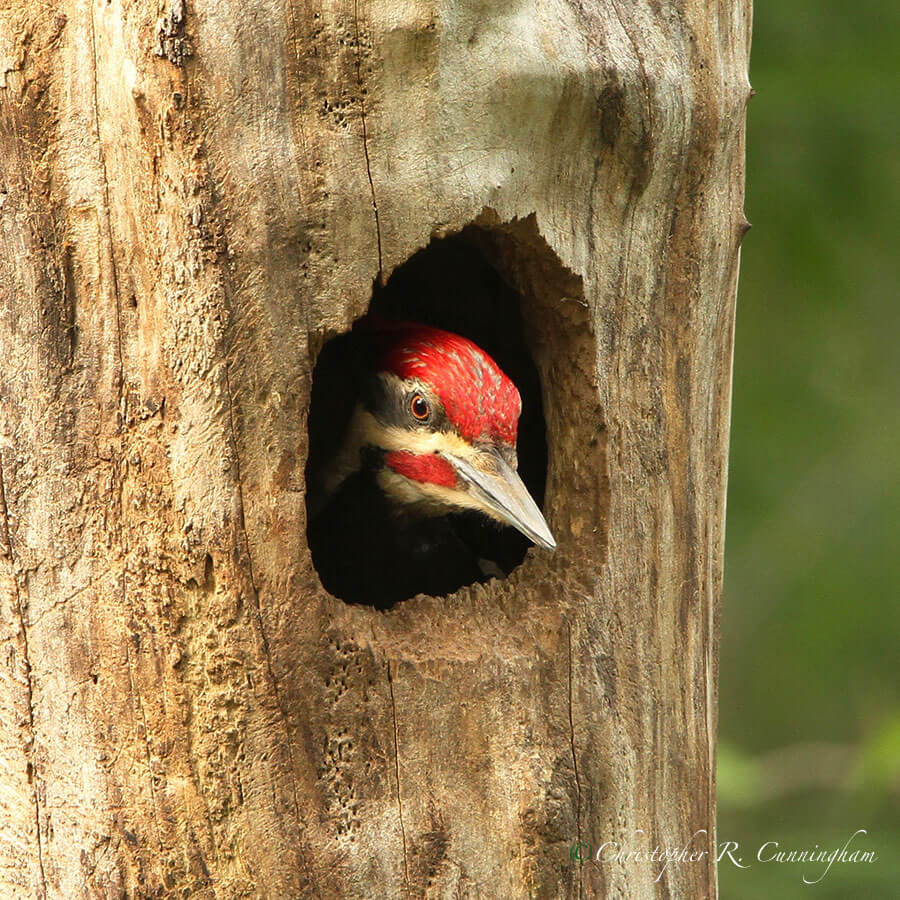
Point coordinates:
pixel 193 199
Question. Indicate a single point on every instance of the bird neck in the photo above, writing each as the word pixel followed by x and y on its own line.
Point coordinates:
pixel 349 458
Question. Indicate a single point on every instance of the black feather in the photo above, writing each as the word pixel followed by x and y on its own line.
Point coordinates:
pixel 365 552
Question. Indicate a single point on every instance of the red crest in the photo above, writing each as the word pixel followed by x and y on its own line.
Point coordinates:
pixel 480 401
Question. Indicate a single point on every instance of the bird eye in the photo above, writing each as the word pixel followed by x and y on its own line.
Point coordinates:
pixel 418 406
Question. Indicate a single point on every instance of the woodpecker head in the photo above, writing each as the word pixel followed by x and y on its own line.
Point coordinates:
pixel 439 419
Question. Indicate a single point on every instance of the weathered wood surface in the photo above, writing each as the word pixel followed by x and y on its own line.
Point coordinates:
pixel 192 199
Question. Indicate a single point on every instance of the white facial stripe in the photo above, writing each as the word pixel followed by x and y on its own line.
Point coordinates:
pixel 365 430
pixel 421 443
pixel 424 498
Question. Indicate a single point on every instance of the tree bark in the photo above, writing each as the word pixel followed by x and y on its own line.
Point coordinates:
pixel 193 199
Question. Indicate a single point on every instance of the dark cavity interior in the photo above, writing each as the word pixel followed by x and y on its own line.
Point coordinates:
pixel 449 284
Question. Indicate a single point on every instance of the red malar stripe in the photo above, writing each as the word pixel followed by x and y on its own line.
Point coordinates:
pixel 426 468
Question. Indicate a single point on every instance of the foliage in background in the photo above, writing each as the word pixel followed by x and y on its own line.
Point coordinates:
pixel 810 678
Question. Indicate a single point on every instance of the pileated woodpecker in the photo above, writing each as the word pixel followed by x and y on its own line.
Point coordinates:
pixel 427 458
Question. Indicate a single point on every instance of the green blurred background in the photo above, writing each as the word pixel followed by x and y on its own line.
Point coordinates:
pixel 810 656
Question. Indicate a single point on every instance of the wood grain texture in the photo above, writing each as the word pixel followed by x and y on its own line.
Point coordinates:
pixel 193 199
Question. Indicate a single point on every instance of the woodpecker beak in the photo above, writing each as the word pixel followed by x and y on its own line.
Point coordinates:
pixel 502 494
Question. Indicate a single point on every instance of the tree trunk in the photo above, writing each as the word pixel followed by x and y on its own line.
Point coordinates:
pixel 193 200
